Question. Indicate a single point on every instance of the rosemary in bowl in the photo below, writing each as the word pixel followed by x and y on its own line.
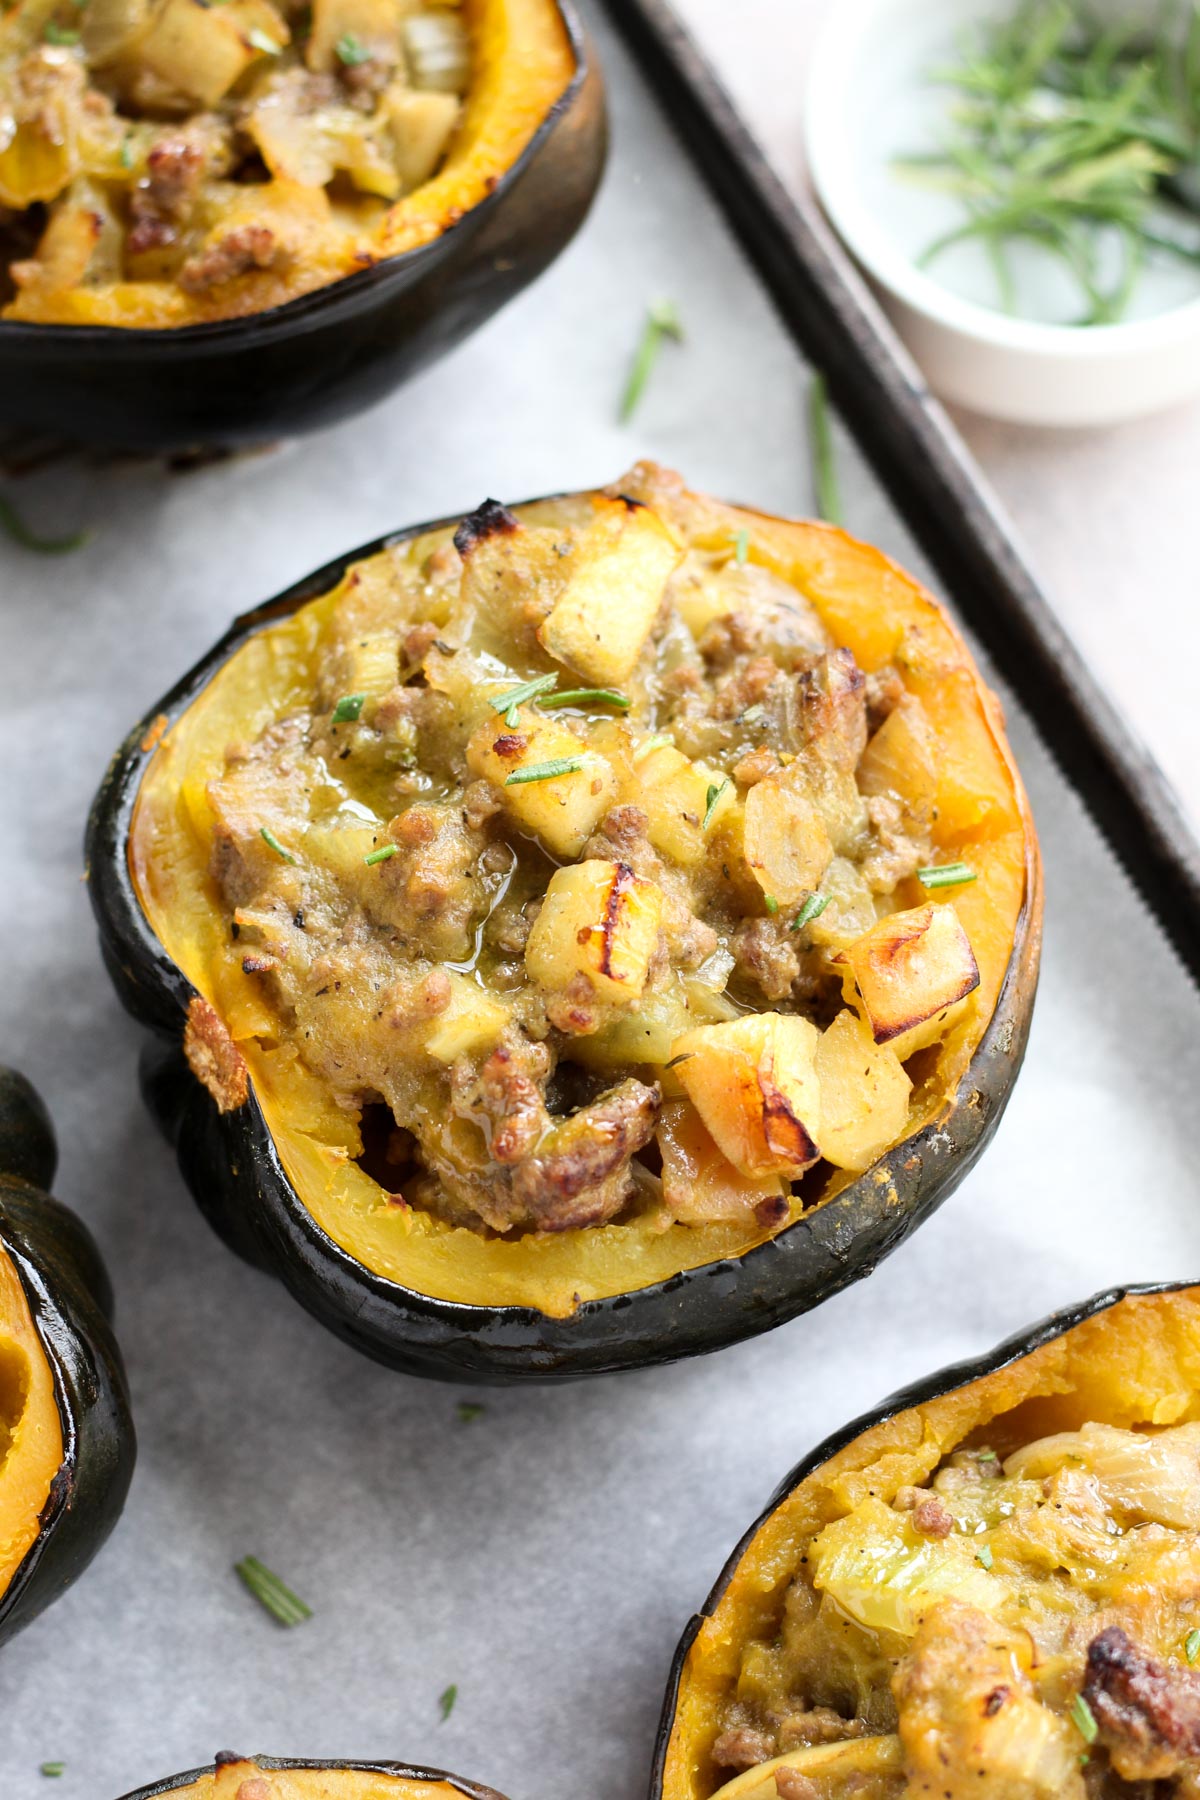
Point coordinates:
pixel 1075 139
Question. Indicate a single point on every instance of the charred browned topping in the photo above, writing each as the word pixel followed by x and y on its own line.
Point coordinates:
pixel 492 519
pixel 213 1057
pixel 1148 1714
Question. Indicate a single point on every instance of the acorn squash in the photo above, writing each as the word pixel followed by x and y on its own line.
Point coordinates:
pixel 195 310
pixel 987 1587
pixel 234 1777
pixel 766 1015
pixel 66 1437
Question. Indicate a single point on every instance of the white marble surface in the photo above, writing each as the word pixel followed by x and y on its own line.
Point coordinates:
pixel 545 1557
pixel 1106 516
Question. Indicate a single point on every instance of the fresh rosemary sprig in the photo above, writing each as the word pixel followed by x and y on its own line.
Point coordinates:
pixel 270 1592
pixel 662 321
pixel 826 487
pixel 1079 139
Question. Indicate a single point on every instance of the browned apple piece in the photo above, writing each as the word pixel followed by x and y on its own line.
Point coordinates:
pixel 864 1094
pixel 754 1084
pixel 911 976
pixel 616 576
pixel 700 1184
pixel 785 839
pixel 600 920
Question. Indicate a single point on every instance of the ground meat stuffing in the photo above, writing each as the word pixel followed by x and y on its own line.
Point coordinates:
pixel 495 915
pixel 244 248
pixel 1148 1714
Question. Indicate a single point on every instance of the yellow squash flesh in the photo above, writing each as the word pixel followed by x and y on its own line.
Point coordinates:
pixel 31 1444
pixel 872 608
pixel 246 1780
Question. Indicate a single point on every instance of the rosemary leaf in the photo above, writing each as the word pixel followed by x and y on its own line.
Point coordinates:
pixel 826 487
pixel 545 771
pixel 662 321
pixel 270 1592
pixel 23 534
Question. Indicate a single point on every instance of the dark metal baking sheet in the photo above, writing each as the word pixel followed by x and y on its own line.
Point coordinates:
pixel 910 442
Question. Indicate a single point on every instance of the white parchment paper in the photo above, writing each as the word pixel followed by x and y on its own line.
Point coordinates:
pixel 545 1557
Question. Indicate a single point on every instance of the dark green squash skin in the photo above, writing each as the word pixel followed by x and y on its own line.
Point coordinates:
pixel 918 1393
pixel 470 1790
pixel 331 353
pixel 229 1161
pixel 70 1301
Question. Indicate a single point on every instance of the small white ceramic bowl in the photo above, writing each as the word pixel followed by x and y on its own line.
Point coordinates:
pixel 867 102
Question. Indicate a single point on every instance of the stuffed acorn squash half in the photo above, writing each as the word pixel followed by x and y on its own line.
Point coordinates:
pixel 272 1778
pixel 223 223
pixel 988 1590
pixel 582 935
pixel 66 1438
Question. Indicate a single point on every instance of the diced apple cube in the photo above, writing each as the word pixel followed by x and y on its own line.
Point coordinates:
pixel 700 1184
pixel 473 1021
pixel 560 809
pixel 901 759
pixel 616 576
pixel 754 1083
pixel 200 50
pixel 674 793
pixel 864 1094
pixel 785 842
pixel 911 976
pixel 600 920
pixel 421 123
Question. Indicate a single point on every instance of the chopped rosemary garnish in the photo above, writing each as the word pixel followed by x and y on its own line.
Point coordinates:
pixel 348 708
pixel 741 547
pixel 662 321
pixel 1085 1719
pixel 258 40
pixel 712 800
pixel 351 50
pixel 588 697
pixel 470 1410
pixel 659 742
pixel 508 702
pixel 812 909
pixel 29 539
pixel 59 34
pixel 983 1556
pixel 52 1768
pixel 270 1592
pixel 1191 1647
pixel 381 855
pixel 681 1058
pixel 545 771
pixel 955 874
pixel 446 1701
pixel 826 488
pixel 268 837
pixel 771 903
pixel 1076 139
